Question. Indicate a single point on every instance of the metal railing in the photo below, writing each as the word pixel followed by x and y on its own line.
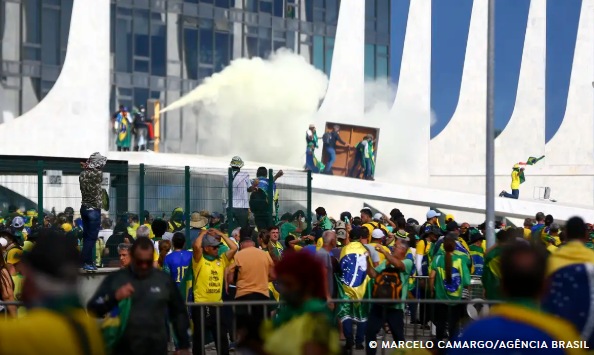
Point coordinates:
pixel 421 308
pixel 226 324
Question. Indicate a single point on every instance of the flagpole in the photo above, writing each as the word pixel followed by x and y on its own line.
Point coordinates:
pixel 490 159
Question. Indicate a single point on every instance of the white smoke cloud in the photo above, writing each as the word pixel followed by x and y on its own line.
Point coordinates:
pixel 258 108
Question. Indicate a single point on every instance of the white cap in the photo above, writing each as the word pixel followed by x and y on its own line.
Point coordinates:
pixel 432 214
pixel 378 217
pixel 377 234
pixel 3 242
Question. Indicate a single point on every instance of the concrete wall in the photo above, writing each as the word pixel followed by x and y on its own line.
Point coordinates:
pixel 72 120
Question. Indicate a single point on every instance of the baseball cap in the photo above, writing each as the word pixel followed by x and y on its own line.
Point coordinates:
pixel 197 220
pixel 3 242
pixel 475 237
pixel 341 233
pixel 555 227
pixel 210 241
pixel 378 217
pixel 377 234
pixel 14 255
pixel 433 230
pixel 216 215
pixel 449 217
pixel 452 226
pixel 432 214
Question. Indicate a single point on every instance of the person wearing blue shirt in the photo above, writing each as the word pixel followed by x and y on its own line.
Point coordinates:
pixel 523 268
pixel 179 261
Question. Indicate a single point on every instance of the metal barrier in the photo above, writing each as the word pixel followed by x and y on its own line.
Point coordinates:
pixel 226 323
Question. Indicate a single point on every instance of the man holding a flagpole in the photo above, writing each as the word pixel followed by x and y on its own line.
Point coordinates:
pixel 518 178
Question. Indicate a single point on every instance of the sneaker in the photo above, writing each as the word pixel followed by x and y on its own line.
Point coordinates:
pixel 210 346
pixel 89 268
pixel 231 346
pixel 359 347
pixel 502 193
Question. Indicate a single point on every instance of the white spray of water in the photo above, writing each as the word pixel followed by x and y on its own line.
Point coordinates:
pixel 258 108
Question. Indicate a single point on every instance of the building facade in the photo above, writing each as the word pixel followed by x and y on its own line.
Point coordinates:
pixel 162 49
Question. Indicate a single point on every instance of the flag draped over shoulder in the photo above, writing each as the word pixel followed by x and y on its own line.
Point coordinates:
pixel 353 283
pixel 492 274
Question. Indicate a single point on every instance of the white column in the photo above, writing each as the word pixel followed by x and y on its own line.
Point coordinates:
pixel 72 120
pixel 524 135
pixel 411 110
pixel 455 151
pixel 573 143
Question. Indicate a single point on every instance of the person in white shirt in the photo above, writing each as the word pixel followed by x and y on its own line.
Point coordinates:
pixel 241 183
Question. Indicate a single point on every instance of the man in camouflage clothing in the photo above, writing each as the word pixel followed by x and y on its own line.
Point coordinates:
pixel 90 210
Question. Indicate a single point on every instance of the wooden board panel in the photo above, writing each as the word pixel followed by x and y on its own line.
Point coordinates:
pixel 345 157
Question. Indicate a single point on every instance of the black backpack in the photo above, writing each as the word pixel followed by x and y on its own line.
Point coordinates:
pixel 326 138
pixel 387 284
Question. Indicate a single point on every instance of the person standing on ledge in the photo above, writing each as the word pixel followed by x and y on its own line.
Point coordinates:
pixel 330 139
pixel 90 210
pixel 517 177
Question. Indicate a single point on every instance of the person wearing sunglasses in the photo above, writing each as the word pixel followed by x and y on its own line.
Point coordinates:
pixel 209 272
pixel 153 295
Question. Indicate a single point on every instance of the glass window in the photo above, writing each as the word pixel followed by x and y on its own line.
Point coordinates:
pixel 382 50
pixel 292 41
pixel 32 20
pixel 318 52
pixel 332 12
pixel 369 67
pixel 158 49
pixel 382 67
pixel 141 33
pixel 191 52
pixel 265 6
pixel 278 8
pixel 251 47
pixel 264 32
pixel 123 48
pixel 309 10
pixel 50 44
pixel 204 73
pixel 221 57
pixel 141 95
pixel 124 91
pixel 319 4
pixel 222 3
pixel 278 45
pixel 329 54
pixel 141 65
pixel 32 53
pixel 319 15
pixel 370 9
pixel 66 14
pixel 10 35
pixel 156 95
pixel 264 48
pixel 251 5
pixel 383 16
pixel 206 46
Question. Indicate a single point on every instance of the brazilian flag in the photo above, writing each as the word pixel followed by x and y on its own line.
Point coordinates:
pixel 353 283
pixel 533 160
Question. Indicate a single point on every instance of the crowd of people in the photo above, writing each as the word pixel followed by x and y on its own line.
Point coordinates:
pixel 363 165
pixel 128 124
pixel 349 278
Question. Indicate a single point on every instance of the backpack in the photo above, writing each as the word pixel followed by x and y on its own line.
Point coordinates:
pixel 388 284
pixel 326 138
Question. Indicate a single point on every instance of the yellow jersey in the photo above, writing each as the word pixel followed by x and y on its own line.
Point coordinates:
pixel 515 184
pixel 382 257
pixel 43 331
pixel 208 279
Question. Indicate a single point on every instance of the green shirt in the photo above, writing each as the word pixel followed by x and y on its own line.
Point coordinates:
pixel 325 223
pixel 286 229
pixel 404 275
pixel 460 277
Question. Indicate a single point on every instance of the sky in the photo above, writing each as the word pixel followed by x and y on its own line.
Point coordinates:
pixel 450 23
